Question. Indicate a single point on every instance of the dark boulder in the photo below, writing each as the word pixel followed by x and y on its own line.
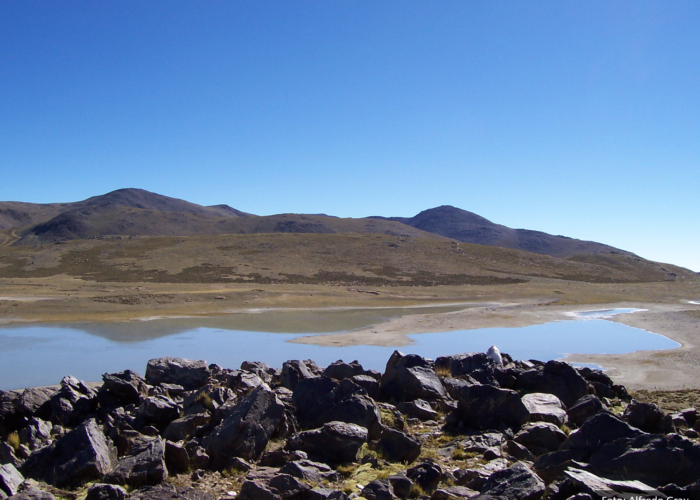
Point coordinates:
pixel 262 370
pixel 36 402
pixel 335 442
pixel 592 486
pixel 84 454
pixel 143 466
pixel 289 487
pixel 73 402
pixel 247 429
pixel 419 409
pixel 100 491
pixel 379 489
pixel 182 428
pixel 159 410
pixel 325 494
pixel 296 370
pixel 32 494
pixel 341 370
pixel 479 443
pixel 312 472
pixel 10 416
pixel 170 492
pixel 551 466
pixel 126 387
pixel 653 459
pixel 545 408
pixel 583 409
pixel 177 459
pixel 427 474
pixel 555 377
pixel 369 384
pixel 488 407
pixel 7 455
pixel 540 437
pixel 10 479
pixel 190 374
pixel 477 365
pixel 453 493
pixel 399 446
pixel 645 416
pixel 409 377
pixel 517 482
pixel 599 430
pixel 280 457
pixel 401 485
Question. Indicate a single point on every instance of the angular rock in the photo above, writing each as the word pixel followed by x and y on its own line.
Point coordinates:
pixel 488 407
pixel 551 466
pixel 127 387
pixel 369 384
pixel 262 370
pixel 181 428
pixel 295 371
pixel 279 458
pixel 479 443
pixel 100 491
pixel 601 429
pixel 341 370
pixel 190 374
pixel 653 459
pixel 311 472
pixel 177 459
pixel 84 454
pixel 477 365
pixel 583 409
pixel 540 437
pixel 453 493
pixel 143 466
pixel 325 494
pixel 36 402
pixel 398 446
pixel 73 402
pixel 519 452
pixel 170 492
pixel 401 484
pixel 159 410
pixel 35 433
pixel 419 409
pixel 379 489
pixel 517 482
pixel 288 486
pixel 10 479
pixel 476 478
pixel 556 377
pixel 32 494
pixel 410 377
pixel 427 474
pixel 247 429
pixel 545 408
pixel 7 455
pixel 595 487
pixel 645 416
pixel 335 442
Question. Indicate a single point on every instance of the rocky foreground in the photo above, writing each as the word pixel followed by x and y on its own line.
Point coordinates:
pixel 463 426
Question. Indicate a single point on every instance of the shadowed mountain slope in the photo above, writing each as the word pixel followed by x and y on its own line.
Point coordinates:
pixel 468 227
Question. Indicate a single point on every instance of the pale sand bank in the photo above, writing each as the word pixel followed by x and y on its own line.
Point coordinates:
pixel 668 369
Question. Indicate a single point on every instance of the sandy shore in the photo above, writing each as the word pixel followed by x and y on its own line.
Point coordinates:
pixel 655 370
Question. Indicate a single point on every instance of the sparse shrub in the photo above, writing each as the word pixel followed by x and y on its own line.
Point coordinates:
pixel 443 371
pixel 13 440
pixel 460 454
pixel 417 491
pixel 565 429
pixel 204 399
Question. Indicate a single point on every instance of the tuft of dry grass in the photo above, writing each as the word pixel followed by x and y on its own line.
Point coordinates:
pixel 13 440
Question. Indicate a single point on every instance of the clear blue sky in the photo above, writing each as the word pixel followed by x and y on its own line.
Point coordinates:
pixel 575 118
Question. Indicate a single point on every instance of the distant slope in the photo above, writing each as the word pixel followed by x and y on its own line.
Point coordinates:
pixel 15 214
pixel 468 227
pixel 107 220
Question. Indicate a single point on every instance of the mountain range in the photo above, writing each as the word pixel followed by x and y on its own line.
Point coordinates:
pixel 136 212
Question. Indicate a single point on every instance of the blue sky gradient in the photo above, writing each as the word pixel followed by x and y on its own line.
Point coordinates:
pixel 575 118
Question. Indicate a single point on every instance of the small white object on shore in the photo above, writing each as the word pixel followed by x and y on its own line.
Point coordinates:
pixel 495 355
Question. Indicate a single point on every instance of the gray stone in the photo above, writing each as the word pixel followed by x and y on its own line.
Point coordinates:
pixel 583 409
pixel 598 430
pixel 127 387
pixel 517 482
pixel 312 472
pixel 73 402
pixel 143 466
pixel 295 371
pixel 341 370
pixel 36 402
pixel 84 454
pixel 399 446
pixel 32 494
pixel 379 489
pixel 477 365
pixel 7 455
pixel 588 483
pixel 555 377
pixel 453 493
pixel 419 409
pixel 409 377
pixel 540 437
pixel 427 474
pixel 645 416
pixel 190 374
pixel 545 408
pixel 488 407
pixel 401 484
pixel 335 442
pixel 181 428
pixel 170 492
pixel 100 491
pixel 247 429
pixel 176 458
pixel 10 479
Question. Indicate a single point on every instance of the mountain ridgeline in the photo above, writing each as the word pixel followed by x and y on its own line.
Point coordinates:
pixel 136 212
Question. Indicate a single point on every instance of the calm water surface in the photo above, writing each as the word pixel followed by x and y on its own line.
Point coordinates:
pixel 42 355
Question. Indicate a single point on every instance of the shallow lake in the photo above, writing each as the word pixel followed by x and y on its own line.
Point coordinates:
pixel 32 355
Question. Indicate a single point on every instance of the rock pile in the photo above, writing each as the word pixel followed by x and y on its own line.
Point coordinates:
pixel 462 426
